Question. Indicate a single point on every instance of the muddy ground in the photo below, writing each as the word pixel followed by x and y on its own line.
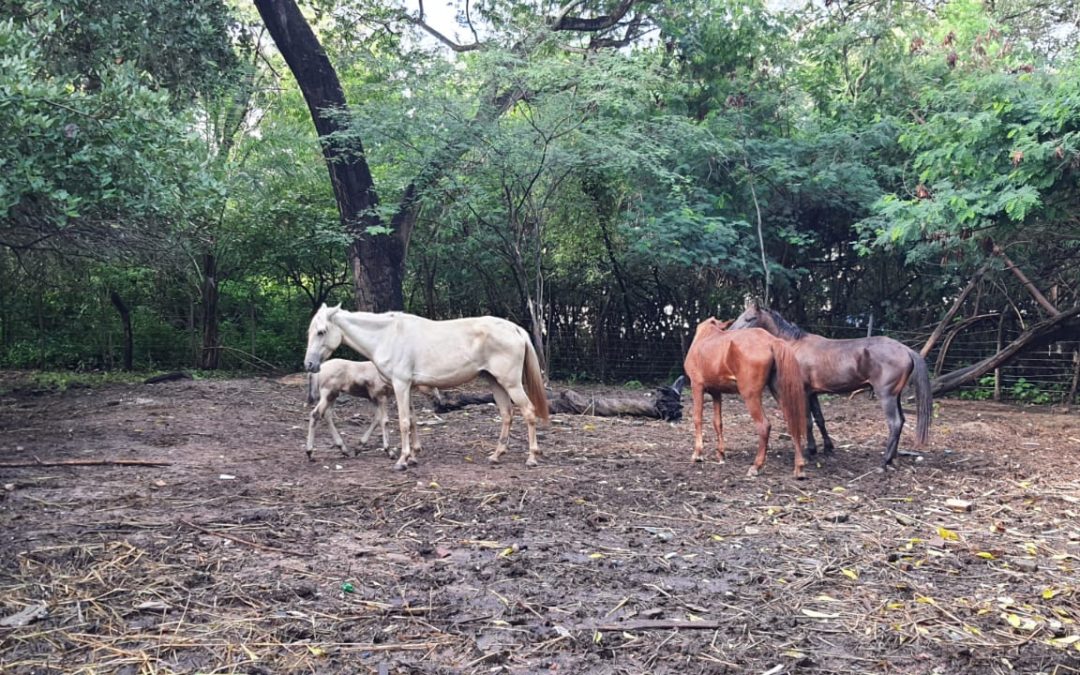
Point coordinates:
pixel 617 555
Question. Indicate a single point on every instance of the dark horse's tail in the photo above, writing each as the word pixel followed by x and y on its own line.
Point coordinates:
pixel 923 398
pixel 788 388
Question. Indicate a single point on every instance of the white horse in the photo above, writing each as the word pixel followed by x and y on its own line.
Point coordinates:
pixel 410 350
pixel 341 376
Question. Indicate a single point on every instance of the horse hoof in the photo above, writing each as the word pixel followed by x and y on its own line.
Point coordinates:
pixel 530 462
pixel 398 466
pixel 799 475
pixel 309 457
pixel 752 473
pixel 493 459
pixel 697 459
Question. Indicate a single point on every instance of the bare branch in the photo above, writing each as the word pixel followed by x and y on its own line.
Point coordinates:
pixel 420 22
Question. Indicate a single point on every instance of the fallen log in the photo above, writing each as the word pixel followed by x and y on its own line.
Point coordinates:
pixel 658 624
pixel 665 404
pixel 168 377
pixel 84 462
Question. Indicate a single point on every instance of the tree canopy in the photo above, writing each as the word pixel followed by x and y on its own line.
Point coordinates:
pixel 604 172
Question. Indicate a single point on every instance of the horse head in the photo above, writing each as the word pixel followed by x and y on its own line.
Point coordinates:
pixel 324 336
pixel 750 318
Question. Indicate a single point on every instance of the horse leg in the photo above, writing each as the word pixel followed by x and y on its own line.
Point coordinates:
pixel 753 405
pixel 819 417
pixel 380 414
pixel 895 419
pixel 338 440
pixel 414 436
pixel 315 416
pixel 698 392
pixel 402 391
pixel 718 427
pixel 811 444
pixel 376 418
pixel 506 414
pixel 528 412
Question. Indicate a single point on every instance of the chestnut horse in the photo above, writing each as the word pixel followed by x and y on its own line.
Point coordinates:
pixel 841 366
pixel 745 362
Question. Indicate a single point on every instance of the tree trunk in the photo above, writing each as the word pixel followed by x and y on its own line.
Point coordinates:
pixel 210 354
pixel 377 260
pixel 125 320
pixel 1026 283
pixel 952 312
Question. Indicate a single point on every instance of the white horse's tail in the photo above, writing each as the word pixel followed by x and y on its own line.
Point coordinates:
pixel 533 379
pixel 312 388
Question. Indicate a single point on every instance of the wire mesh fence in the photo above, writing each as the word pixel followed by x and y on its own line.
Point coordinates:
pixel 646 353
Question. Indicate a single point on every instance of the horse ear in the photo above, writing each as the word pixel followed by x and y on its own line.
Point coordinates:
pixel 331 311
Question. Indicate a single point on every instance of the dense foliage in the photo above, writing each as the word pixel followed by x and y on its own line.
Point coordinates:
pixel 604 183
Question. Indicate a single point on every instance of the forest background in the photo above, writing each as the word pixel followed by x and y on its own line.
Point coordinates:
pixel 604 173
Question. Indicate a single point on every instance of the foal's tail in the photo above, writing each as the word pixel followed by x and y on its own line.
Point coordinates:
pixel 923 398
pixel 312 388
pixel 790 390
pixel 533 379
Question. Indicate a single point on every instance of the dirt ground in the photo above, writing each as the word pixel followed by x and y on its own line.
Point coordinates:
pixel 616 555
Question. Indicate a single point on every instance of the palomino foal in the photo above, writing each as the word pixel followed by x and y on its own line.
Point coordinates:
pixel 413 351
pixel 341 376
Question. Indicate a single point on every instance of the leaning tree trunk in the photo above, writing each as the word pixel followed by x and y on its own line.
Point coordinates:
pixel 125 319
pixel 377 260
pixel 1046 330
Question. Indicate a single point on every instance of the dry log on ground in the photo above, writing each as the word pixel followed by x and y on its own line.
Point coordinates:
pixel 84 462
pixel 665 404
pixel 168 377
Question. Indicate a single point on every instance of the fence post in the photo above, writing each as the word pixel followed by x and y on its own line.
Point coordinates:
pixel 1076 376
pixel 997 371
pixel 870 325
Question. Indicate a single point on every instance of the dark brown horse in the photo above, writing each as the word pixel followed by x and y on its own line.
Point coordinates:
pixel 841 366
pixel 745 362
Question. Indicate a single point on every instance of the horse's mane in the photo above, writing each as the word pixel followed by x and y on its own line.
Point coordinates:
pixel 785 328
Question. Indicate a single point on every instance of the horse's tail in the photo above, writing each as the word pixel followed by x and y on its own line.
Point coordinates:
pixel 790 390
pixel 312 388
pixel 923 398
pixel 534 382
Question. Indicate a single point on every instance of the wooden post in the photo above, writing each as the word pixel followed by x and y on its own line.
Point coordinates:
pixel 1076 376
pixel 125 320
pixel 997 371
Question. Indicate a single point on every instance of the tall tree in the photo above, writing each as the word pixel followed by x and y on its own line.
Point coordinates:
pixel 377 251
